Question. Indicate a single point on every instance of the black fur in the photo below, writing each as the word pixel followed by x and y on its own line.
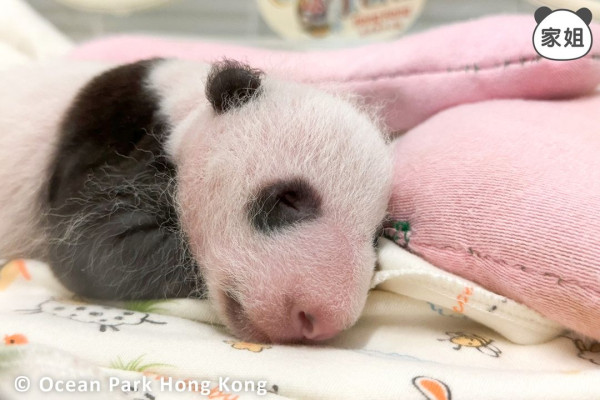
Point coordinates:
pixel 284 204
pixel 112 223
pixel 231 84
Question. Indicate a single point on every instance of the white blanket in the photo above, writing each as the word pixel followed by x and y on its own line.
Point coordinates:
pixel 401 348
pixel 25 36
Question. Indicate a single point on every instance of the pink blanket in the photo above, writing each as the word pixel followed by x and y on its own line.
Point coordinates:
pixel 412 78
pixel 507 194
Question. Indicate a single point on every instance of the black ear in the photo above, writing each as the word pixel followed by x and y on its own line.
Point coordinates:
pixel 541 13
pixel 585 14
pixel 231 84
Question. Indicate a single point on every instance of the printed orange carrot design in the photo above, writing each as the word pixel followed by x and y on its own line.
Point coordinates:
pixel 253 347
pixel 217 394
pixel 15 339
pixel 432 389
pixel 11 271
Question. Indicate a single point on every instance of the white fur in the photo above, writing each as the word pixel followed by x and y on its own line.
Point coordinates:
pixel 31 107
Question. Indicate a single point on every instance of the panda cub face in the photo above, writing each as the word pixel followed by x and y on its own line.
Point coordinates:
pixel 281 195
pixel 269 197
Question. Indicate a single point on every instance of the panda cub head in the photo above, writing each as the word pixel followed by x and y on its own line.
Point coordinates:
pixel 279 190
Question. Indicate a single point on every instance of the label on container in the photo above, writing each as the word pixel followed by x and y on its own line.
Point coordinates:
pixel 353 19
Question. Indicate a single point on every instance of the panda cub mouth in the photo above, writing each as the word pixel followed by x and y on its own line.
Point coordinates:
pixel 239 319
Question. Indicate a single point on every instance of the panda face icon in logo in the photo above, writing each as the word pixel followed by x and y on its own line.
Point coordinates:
pixel 562 34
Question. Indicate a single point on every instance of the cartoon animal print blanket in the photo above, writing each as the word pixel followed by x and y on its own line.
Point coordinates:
pixel 417 339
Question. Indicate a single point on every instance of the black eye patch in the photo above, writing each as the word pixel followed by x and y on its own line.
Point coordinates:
pixel 231 84
pixel 282 204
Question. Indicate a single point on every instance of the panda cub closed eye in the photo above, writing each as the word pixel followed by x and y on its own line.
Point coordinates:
pixel 284 204
pixel 170 178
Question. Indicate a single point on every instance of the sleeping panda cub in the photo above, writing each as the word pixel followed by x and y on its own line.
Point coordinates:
pixel 168 178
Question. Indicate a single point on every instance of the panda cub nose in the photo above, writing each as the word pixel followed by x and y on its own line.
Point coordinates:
pixel 312 326
pixel 283 204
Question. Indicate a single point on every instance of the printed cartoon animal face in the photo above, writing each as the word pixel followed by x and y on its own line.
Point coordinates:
pixel 302 180
pixel 104 316
pixel 482 344
pixel 562 34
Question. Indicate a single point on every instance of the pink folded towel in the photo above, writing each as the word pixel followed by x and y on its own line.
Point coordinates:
pixel 506 193
pixel 411 78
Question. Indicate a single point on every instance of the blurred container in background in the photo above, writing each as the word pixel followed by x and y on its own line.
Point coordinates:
pixel 241 20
